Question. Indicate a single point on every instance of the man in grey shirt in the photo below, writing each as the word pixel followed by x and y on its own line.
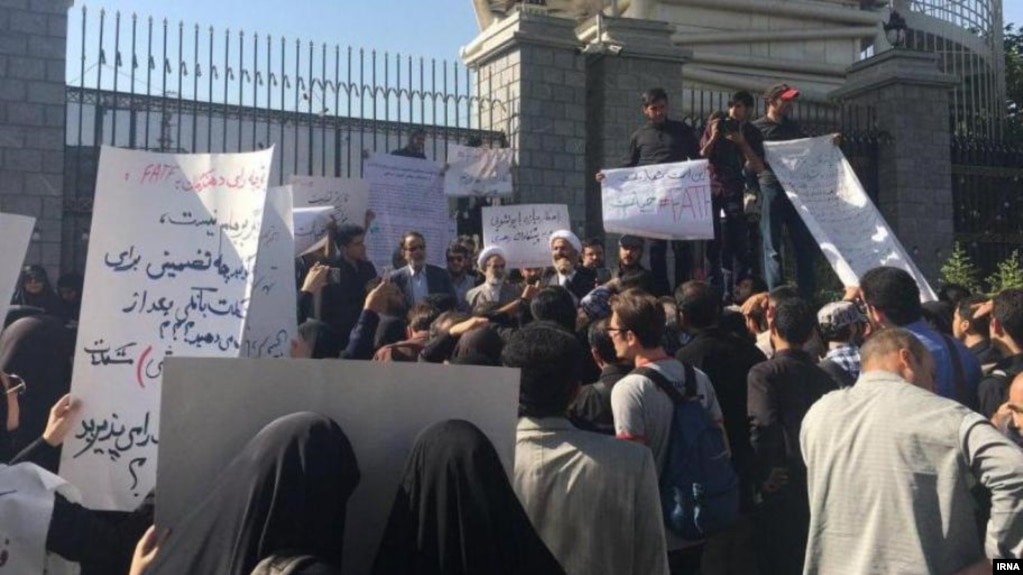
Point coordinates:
pixel 889 469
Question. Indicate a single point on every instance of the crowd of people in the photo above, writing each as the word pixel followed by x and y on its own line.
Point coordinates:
pixel 664 427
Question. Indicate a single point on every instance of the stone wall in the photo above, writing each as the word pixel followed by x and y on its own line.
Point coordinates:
pixel 911 99
pixel 530 64
pixel 33 39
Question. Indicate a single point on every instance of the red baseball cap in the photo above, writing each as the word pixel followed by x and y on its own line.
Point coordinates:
pixel 781 92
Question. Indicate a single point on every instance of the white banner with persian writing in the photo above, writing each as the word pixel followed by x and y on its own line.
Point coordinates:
pixel 348 199
pixel 829 197
pixel 309 226
pixel 406 194
pixel 169 272
pixel 15 233
pixel 663 201
pixel 478 171
pixel 271 322
pixel 523 231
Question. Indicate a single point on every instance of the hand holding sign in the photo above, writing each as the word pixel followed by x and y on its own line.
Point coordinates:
pixel 664 201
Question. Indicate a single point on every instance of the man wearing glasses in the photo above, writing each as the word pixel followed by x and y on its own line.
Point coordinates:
pixel 419 279
pixel 642 412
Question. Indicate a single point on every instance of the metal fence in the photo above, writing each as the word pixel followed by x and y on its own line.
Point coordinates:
pixel 150 84
pixel 987 191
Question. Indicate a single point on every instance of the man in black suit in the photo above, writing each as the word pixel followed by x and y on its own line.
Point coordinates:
pixel 419 279
pixel 567 273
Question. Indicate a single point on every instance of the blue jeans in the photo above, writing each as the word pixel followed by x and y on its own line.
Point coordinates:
pixel 776 211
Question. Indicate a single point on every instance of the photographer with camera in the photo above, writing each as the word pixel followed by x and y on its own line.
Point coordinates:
pixel 725 144
pixel 332 276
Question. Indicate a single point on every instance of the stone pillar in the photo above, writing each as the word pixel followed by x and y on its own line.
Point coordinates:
pixel 531 77
pixel 33 44
pixel 911 97
pixel 624 58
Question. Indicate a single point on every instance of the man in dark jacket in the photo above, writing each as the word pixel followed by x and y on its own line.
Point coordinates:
pixel 1006 329
pixel 662 141
pixel 419 279
pixel 781 391
pixel 727 359
pixel 332 276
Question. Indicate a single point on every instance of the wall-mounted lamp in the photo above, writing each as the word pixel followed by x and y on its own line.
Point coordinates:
pixel 895 30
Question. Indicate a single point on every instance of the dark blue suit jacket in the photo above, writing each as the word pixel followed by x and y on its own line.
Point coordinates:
pixel 437 281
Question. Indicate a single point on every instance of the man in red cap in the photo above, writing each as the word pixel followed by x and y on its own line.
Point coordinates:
pixel 776 211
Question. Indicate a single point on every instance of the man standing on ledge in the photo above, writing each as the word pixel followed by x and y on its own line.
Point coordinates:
pixel 662 141
pixel 776 210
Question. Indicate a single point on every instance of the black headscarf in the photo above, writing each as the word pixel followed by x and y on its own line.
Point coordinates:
pixel 456 513
pixel 287 490
pixel 38 349
pixel 46 299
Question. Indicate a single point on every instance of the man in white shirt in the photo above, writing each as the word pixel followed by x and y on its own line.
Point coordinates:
pixel 642 412
pixel 592 498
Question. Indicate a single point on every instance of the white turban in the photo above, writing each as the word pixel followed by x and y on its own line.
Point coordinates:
pixel 567 236
pixel 487 253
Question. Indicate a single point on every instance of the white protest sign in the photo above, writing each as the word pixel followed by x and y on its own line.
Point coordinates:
pixel 405 194
pixel 478 171
pixel 27 494
pixel 213 407
pixel 829 197
pixel 169 272
pixel 523 231
pixel 348 198
pixel 271 322
pixel 309 226
pixel 663 201
pixel 15 233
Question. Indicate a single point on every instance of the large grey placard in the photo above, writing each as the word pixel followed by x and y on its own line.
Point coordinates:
pixel 211 407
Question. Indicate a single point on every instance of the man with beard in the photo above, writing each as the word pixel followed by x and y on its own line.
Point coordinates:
pixel 495 291
pixel 567 273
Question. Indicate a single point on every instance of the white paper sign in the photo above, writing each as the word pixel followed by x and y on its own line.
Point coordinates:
pixel 271 322
pixel 664 201
pixel 26 507
pixel 15 233
pixel 405 194
pixel 829 197
pixel 348 198
pixel 523 231
pixel 310 225
pixel 478 171
pixel 213 407
pixel 169 272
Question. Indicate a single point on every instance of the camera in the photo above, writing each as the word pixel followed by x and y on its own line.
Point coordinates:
pixel 729 125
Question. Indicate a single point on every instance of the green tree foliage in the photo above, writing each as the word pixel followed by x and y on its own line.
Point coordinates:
pixel 1009 275
pixel 959 269
pixel 1014 78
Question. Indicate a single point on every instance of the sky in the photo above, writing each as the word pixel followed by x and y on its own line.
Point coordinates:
pixel 431 29
pixel 427 28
